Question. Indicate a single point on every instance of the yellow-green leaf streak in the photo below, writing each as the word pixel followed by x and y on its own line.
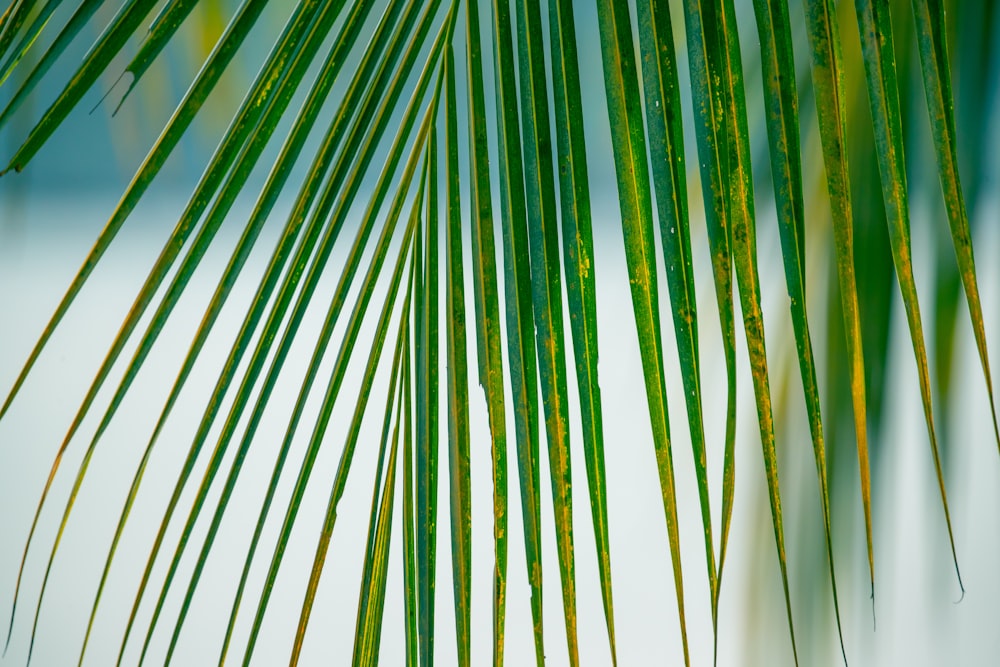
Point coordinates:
pixel 546 291
pixel 709 102
pixel 484 280
pixel 459 480
pixel 519 309
pixel 883 95
pixel 578 253
pixel 663 120
pixel 782 117
pixel 745 259
pixel 828 85
pixel 629 142
pixel 929 15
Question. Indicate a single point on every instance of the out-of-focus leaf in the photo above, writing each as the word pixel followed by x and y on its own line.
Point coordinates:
pixel 828 85
pixel 31 34
pixel 782 114
pixel 929 15
pixel 69 32
pixel 880 69
pixel 13 18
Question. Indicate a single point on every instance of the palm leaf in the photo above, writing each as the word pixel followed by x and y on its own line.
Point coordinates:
pixel 397 99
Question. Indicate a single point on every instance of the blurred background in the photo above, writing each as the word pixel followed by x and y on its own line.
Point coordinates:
pixel 51 213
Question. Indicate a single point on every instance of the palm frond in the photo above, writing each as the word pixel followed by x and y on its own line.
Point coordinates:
pixel 348 113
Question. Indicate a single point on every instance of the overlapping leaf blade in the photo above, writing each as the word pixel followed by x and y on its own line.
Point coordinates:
pixel 929 15
pixel 546 294
pixel 625 112
pixel 519 308
pixel 874 25
pixel 781 104
pixel 459 479
pixel 487 329
pixel 828 85
pixel 663 120
pixel 578 254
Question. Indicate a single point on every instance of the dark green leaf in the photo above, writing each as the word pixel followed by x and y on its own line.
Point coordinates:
pixel 625 111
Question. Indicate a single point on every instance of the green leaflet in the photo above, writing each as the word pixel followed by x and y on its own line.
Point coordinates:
pixel 344 465
pixel 274 321
pixel 519 309
pixel 95 62
pixel 372 600
pixel 363 631
pixel 427 417
pixel 167 141
pixel 265 203
pixel 744 248
pixel 828 84
pixel 179 122
pixel 929 15
pixel 34 30
pixel 251 112
pixel 709 101
pixel 546 288
pixel 484 280
pixel 348 341
pixel 780 100
pixel 973 54
pixel 166 23
pixel 311 108
pixel 723 55
pixel 663 118
pixel 578 253
pixel 409 515
pixel 459 482
pixel 880 69
pixel 69 32
pixel 13 18
pixel 624 109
